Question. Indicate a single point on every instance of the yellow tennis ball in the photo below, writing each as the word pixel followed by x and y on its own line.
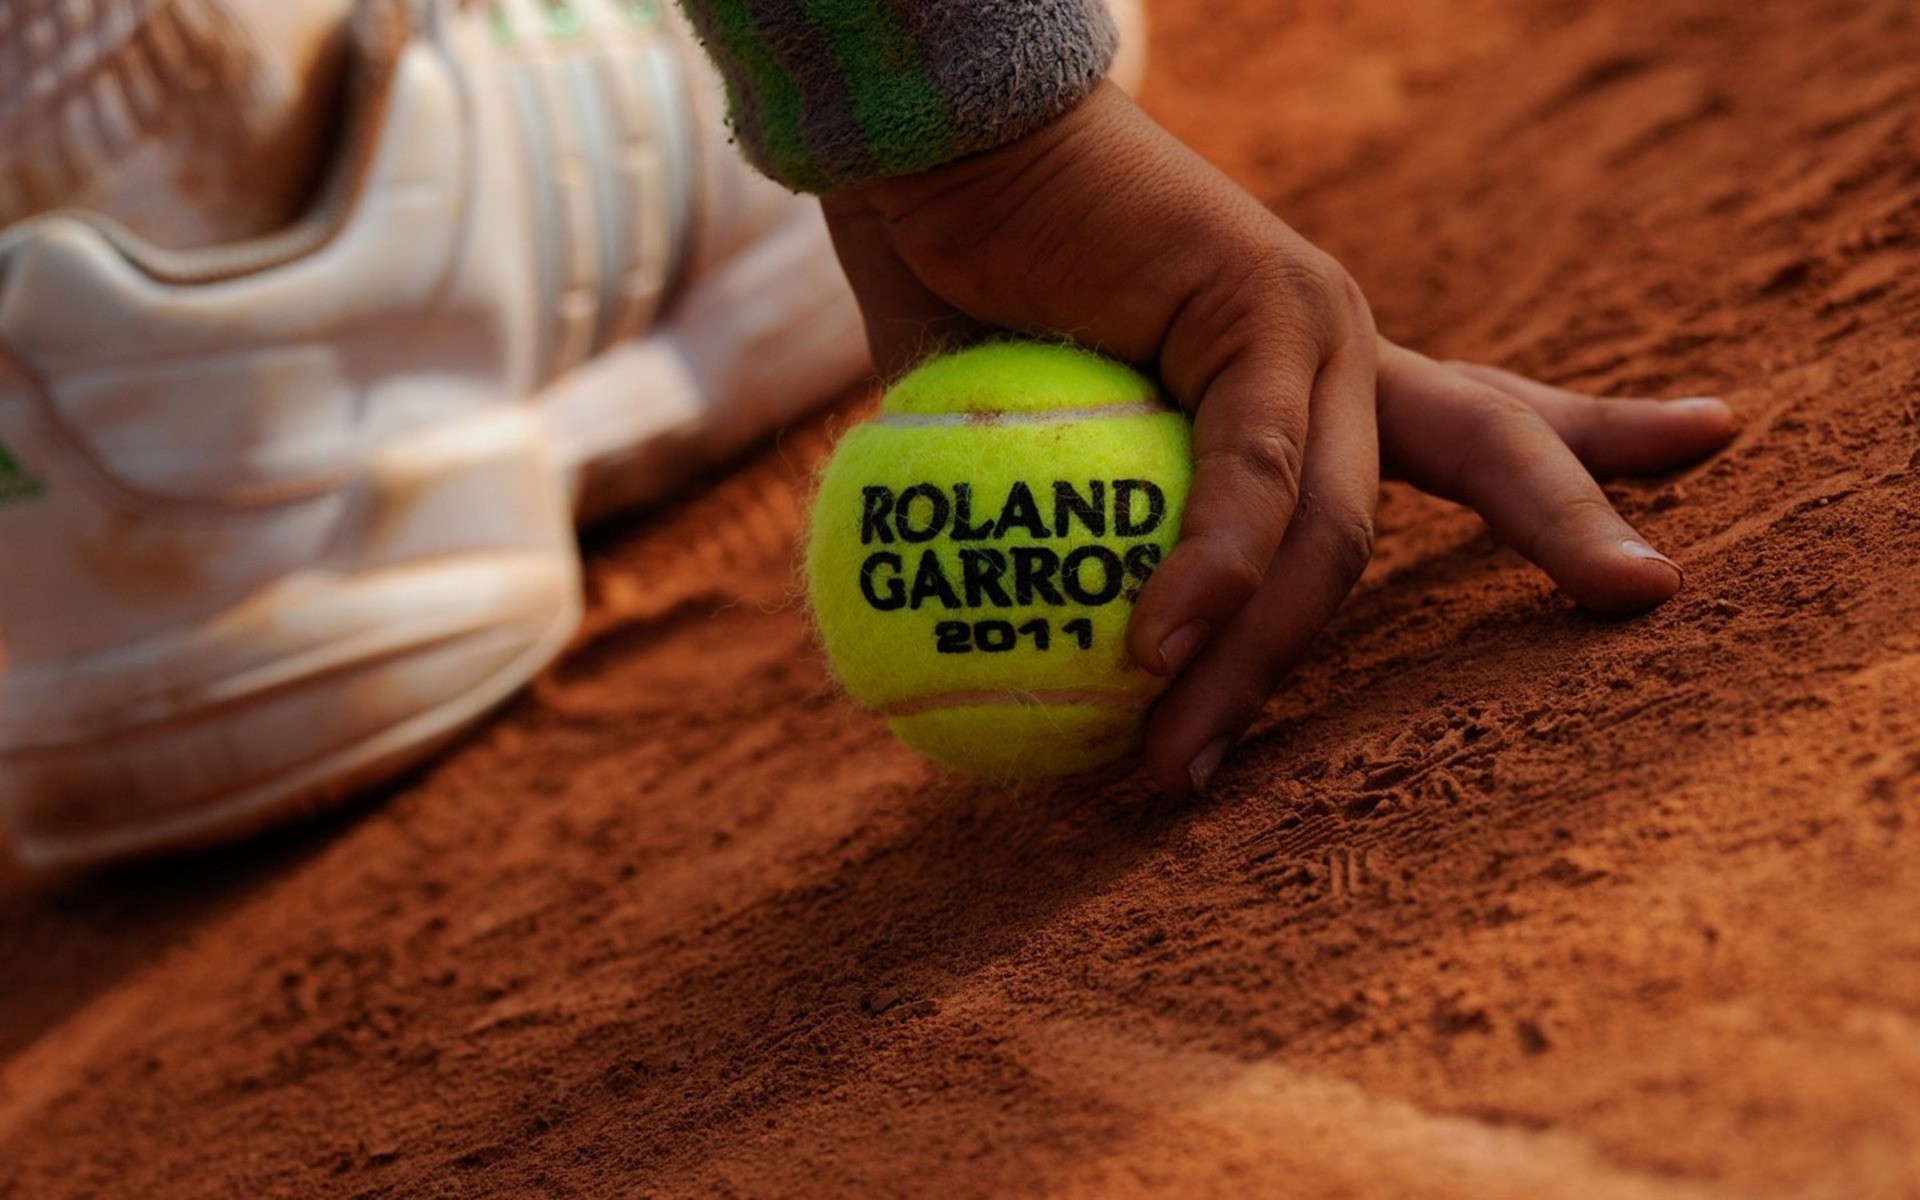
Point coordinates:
pixel 976 551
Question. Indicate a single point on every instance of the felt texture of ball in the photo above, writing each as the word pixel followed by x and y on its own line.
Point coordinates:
pixel 976 550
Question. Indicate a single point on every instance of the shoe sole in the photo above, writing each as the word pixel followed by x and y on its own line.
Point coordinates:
pixel 463 584
pixel 210 735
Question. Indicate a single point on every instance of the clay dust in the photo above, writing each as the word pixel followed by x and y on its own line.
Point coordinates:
pixel 1500 899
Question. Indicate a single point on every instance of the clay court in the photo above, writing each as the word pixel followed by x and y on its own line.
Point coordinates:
pixel 1499 899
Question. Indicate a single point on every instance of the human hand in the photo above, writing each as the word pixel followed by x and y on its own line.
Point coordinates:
pixel 1104 227
pixel 1523 455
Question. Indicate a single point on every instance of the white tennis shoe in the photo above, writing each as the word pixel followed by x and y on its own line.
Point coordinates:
pixel 279 519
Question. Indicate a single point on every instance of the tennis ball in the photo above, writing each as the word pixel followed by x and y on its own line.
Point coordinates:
pixel 977 548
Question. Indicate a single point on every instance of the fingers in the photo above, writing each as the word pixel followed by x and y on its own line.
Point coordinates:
pixel 1249 451
pixel 1324 550
pixel 1460 439
pixel 1619 437
pixel 906 321
pixel 1298 352
pixel 1103 227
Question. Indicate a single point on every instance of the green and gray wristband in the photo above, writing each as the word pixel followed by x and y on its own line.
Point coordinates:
pixel 830 93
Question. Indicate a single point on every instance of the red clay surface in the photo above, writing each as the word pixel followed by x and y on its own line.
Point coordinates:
pixel 1500 900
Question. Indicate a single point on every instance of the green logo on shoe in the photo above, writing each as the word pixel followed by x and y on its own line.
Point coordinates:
pixel 563 20
pixel 16 485
pixel 644 13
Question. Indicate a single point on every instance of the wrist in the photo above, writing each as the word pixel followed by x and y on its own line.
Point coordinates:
pixel 988 179
pixel 839 93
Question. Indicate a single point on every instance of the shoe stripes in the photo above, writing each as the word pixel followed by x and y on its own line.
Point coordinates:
pixel 600 97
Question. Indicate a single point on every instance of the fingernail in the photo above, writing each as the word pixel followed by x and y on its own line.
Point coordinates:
pixel 1634 548
pixel 1697 404
pixel 1182 644
pixel 1205 764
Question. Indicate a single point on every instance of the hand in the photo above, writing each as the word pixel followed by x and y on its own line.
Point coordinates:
pixel 1520 454
pixel 1104 227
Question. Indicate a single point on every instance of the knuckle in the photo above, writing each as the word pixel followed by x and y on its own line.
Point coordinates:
pixel 1292 297
pixel 1503 432
pixel 1348 541
pixel 1569 521
pixel 1228 569
pixel 1495 412
pixel 1239 573
pixel 1498 440
pixel 1328 278
pixel 1356 305
pixel 1314 295
pixel 1341 536
pixel 1268 460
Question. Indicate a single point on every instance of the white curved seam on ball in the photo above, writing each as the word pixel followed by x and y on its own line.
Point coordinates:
pixel 1034 698
pixel 1055 416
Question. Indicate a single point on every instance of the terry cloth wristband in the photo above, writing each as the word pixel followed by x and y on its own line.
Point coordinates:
pixel 830 93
